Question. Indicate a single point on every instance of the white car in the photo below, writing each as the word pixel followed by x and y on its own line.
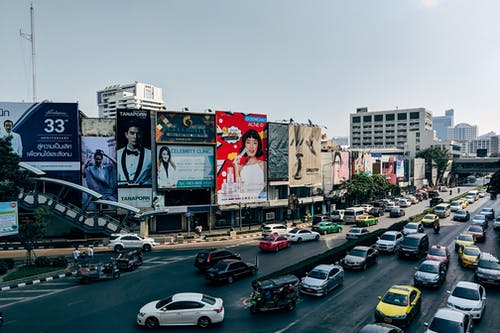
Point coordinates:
pixel 470 198
pixel 468 297
pixel 389 241
pixel 412 227
pixel 403 202
pixel 274 229
pixel 297 235
pixel 182 309
pixel 456 205
pixel 450 321
pixel 322 279
pixel 496 223
pixel 119 242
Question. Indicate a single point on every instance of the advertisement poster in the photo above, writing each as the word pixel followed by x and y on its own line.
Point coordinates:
pixel 182 127
pixel 278 151
pixel 388 170
pixel 304 163
pixel 134 157
pixel 340 167
pixel 99 157
pixel 400 169
pixel 45 135
pixel 241 157
pixel 9 223
pixel 183 166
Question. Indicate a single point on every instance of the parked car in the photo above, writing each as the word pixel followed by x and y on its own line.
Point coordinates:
pixel 477 231
pixel 337 215
pixel 228 270
pixel 439 253
pixel 355 233
pixel 461 215
pixel 468 256
pixel 397 212
pixel 450 321
pixel 366 207
pixel 209 257
pixel 320 218
pixel 130 260
pixel 120 242
pixel 468 297
pixel 412 227
pixel 496 223
pixel 366 220
pixel 488 269
pixel 399 305
pixel 326 228
pixel 389 241
pixel 194 309
pixel 360 257
pixel 481 220
pixel 274 243
pixel 430 273
pixel 376 211
pixel 380 328
pixel 464 239
pixel 275 229
pixel 321 280
pixel 488 212
pixel 297 235
pixel 429 219
pixel 415 245
pixel 435 201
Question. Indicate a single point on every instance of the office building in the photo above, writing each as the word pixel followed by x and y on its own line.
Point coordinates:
pixel 487 142
pixel 441 124
pixel 129 96
pixel 463 131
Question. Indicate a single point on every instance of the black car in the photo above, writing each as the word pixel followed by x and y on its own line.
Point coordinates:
pixel 396 212
pixel 130 260
pixel 228 270
pixel 433 194
pixel 461 215
pixel 376 211
pixel 435 201
pixel 209 257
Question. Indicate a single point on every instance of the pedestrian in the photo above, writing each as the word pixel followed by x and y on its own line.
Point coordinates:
pixel 90 253
pixel 198 230
pixel 76 255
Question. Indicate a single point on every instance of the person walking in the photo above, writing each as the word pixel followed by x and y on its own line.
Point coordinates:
pixel 90 253
pixel 76 255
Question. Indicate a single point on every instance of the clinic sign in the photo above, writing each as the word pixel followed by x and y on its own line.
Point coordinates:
pixel 9 221
pixel 175 127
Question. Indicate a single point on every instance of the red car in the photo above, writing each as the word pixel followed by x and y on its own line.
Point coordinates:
pixel 439 253
pixel 274 243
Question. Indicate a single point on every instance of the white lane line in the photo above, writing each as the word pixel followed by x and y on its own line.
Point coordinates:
pixel 11 298
pixel 286 327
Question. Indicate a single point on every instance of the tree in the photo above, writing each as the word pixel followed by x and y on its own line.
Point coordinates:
pixel 31 232
pixel 359 189
pixel 494 184
pixel 12 180
pixel 435 157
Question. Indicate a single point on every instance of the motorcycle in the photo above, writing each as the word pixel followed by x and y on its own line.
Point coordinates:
pixel 436 228
pixel 95 272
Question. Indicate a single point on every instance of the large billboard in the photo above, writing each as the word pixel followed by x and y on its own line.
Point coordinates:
pixel 241 157
pixel 182 127
pixel 134 157
pixel 45 135
pixel 9 220
pixel 304 161
pixel 278 151
pixel 99 157
pixel 388 170
pixel 184 166
pixel 340 167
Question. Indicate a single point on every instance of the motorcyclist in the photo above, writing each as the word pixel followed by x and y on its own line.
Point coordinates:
pixel 436 227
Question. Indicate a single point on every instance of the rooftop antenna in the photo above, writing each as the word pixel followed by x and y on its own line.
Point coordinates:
pixel 31 37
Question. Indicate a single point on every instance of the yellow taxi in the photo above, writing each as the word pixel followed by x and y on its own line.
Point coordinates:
pixel 399 305
pixel 429 219
pixel 465 203
pixel 469 256
pixel 366 220
pixel 463 240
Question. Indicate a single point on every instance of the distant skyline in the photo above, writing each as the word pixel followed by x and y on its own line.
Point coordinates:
pixel 313 60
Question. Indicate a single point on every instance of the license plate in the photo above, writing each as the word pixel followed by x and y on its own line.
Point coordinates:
pixel 407 254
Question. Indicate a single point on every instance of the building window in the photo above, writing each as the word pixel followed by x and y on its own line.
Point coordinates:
pixel 402 116
pixel 389 116
pixel 417 134
pixel 414 115
pixel 378 117
pixel 356 119
pixel 367 118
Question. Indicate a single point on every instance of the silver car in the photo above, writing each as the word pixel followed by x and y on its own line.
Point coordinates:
pixel 480 220
pixel 322 279
pixel 450 321
pixel 389 241
pixel 430 273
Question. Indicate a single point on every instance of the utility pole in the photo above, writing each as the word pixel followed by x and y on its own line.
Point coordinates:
pixel 31 37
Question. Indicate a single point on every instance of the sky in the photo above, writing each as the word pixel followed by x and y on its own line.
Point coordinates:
pixel 314 60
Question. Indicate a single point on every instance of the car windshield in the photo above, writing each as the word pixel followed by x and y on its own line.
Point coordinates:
pixel 470 251
pixel 324 224
pixel 434 251
pixel 388 237
pixel 317 274
pixel 429 217
pixel 429 268
pixel 411 226
pixel 461 212
pixel 467 238
pixel 395 299
pixel 355 231
pixel 456 203
pixel 487 210
pixel 410 241
pixel 357 252
pixel 475 229
pixel 269 239
pixel 221 266
pixel 163 302
pixel 294 231
pixel 479 217
pixel 466 293
pixel 444 325
pixel 488 264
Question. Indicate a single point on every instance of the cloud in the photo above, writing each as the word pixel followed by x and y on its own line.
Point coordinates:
pixel 431 3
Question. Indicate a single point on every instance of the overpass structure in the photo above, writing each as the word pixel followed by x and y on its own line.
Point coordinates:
pixel 468 166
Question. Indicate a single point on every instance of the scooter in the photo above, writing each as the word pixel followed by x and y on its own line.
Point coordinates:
pixel 436 228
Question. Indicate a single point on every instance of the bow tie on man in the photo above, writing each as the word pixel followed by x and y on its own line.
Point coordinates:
pixel 131 152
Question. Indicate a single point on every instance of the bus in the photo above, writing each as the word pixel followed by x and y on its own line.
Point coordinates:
pixel 351 213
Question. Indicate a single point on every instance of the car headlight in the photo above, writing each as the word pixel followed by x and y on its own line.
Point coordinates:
pixel 476 309
pixel 401 316
pixel 450 305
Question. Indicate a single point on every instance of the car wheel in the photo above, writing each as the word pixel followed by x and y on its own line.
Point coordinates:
pixel 146 247
pixel 118 248
pixel 290 306
pixel 288 245
pixel 204 322
pixel 317 237
pixel 230 279
pixel 299 240
pixel 152 322
pixel 325 291
pixel 338 230
pixel 324 232
pixel 364 266
pixel 116 275
pixel 277 248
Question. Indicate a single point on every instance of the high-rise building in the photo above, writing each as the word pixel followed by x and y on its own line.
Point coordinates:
pixel 441 123
pixel 129 96
pixel 463 131
pixel 488 141
pixel 388 129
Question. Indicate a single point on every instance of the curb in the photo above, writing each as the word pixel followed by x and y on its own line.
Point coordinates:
pixel 36 281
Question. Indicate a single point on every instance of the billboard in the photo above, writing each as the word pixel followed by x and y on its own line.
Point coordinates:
pixel 388 170
pixel 182 127
pixel 184 166
pixel 304 161
pixel 278 151
pixel 400 169
pixel 9 220
pixel 241 157
pixel 45 135
pixel 134 157
pixel 99 157
pixel 340 167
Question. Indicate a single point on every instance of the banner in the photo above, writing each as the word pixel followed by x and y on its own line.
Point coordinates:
pixel 400 169
pixel 388 170
pixel 304 163
pixel 278 151
pixel 241 157
pixel 340 167
pixel 182 127
pixel 185 166
pixel 9 222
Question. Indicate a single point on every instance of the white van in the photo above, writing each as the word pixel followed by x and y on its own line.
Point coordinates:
pixel 351 213
pixel 337 215
pixel 474 193
pixel 442 210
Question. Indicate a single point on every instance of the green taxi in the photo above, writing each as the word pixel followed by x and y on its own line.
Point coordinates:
pixel 326 227
pixel 366 220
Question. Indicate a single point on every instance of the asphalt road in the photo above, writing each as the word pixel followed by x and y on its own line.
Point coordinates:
pixel 63 305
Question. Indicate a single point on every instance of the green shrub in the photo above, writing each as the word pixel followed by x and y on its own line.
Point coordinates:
pixel 9 262
pixel 42 262
pixel 3 268
pixel 60 261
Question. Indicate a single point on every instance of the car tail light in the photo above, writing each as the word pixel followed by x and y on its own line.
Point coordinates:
pixel 219 310
pixel 208 258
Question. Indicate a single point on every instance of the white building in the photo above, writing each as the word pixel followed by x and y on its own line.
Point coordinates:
pixel 129 96
pixel 462 131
